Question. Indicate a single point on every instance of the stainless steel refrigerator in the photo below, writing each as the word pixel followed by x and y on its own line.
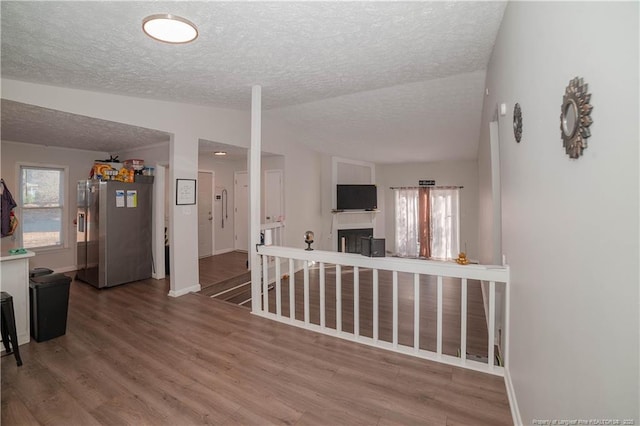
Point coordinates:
pixel 113 232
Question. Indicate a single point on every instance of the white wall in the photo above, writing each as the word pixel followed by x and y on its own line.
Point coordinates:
pixel 447 173
pixel 302 180
pixel 485 200
pixel 224 170
pixel 79 163
pixel 570 227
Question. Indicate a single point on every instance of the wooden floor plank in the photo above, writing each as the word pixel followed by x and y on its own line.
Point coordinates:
pixel 133 355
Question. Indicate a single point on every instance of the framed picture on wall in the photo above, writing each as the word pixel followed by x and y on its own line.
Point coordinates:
pixel 185 192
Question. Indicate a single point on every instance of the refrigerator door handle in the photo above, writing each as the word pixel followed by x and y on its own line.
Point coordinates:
pixel 80 222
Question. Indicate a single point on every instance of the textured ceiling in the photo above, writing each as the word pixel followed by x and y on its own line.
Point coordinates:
pixel 43 126
pixel 433 120
pixel 304 54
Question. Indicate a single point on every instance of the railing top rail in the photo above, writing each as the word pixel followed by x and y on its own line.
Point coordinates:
pixel 417 266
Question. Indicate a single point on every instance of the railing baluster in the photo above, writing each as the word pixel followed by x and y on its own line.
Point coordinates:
pixel 338 298
pixel 265 283
pixel 395 309
pixel 463 320
pixel 492 275
pixel 292 291
pixel 375 305
pixel 439 313
pixel 323 315
pixel 356 301
pixel 416 312
pixel 492 322
pixel 278 287
pixel 306 292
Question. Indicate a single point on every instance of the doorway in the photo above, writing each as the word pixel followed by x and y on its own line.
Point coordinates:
pixel 241 210
pixel 205 213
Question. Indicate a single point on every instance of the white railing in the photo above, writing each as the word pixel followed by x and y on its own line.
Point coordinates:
pixel 316 309
pixel 274 232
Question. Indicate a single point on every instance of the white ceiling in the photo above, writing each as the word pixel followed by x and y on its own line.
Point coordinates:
pixel 43 126
pixel 345 75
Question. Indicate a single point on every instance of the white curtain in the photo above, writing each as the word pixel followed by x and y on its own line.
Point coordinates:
pixel 407 222
pixel 445 224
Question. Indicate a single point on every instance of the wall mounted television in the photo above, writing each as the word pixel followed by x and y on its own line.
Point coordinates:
pixel 357 197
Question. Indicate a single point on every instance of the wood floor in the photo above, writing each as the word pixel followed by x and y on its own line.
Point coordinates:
pixel 477 336
pixel 214 269
pixel 232 290
pixel 133 355
pixel 225 277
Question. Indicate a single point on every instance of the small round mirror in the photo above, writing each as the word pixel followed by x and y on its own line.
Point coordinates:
pixel 517 122
pixel 569 118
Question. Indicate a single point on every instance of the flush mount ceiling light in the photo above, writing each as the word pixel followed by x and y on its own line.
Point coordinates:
pixel 169 28
pixel 220 153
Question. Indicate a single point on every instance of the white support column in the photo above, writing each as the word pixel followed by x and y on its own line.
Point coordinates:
pixel 158 234
pixel 183 220
pixel 254 192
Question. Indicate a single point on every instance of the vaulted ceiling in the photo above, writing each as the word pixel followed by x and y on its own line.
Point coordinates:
pixel 379 81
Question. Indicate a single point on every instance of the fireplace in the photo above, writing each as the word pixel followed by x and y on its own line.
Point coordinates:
pixel 352 239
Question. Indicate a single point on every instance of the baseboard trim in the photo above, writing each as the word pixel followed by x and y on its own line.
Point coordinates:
pixel 65 269
pixel 223 251
pixel 177 293
pixel 513 403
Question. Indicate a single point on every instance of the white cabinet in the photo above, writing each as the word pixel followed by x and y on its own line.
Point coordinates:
pixel 14 271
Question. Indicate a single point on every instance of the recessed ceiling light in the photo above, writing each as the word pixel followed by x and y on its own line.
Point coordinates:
pixel 220 153
pixel 169 28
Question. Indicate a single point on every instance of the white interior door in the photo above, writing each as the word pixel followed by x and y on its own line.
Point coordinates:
pixel 273 200
pixel 205 214
pixel 241 210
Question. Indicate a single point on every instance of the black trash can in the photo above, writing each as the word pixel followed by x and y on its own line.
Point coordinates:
pixel 48 303
pixel 38 272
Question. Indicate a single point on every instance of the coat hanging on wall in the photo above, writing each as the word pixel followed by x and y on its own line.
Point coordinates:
pixel 8 222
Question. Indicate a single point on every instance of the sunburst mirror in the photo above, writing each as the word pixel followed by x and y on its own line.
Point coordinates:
pixel 517 122
pixel 575 117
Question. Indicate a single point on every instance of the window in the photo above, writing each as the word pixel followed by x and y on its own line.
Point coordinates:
pixel 427 222
pixel 42 206
pixel 444 224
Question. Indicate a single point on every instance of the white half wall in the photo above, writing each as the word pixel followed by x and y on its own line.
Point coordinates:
pixel 570 227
